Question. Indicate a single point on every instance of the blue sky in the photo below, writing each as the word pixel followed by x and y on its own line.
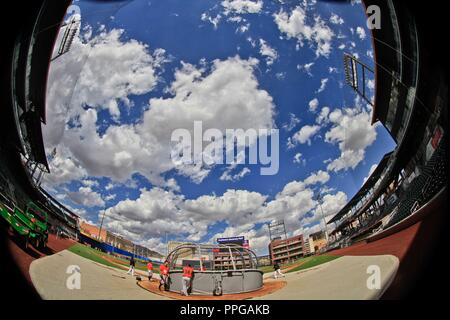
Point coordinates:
pixel 122 85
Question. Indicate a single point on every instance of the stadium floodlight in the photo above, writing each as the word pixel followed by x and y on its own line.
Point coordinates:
pixel 277 230
pixel 101 224
pixel 72 27
pixel 355 73
pixel 319 201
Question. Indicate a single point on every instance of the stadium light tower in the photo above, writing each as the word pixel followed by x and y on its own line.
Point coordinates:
pixel 101 224
pixel 319 199
pixel 167 244
pixel 277 230
pixel 72 26
pixel 355 75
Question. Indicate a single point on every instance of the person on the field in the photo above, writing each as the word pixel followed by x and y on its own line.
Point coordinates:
pixel 188 271
pixel 132 264
pixel 277 272
pixel 164 274
pixel 150 270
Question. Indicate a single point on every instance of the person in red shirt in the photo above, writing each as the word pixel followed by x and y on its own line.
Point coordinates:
pixel 164 274
pixel 188 272
pixel 150 270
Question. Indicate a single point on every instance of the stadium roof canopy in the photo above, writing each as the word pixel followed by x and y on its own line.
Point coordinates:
pixel 396 97
pixel 59 205
pixel 30 73
pixel 367 186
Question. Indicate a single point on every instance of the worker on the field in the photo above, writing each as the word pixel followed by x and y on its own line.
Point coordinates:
pixel 188 272
pixel 150 270
pixel 164 274
pixel 132 264
pixel 277 272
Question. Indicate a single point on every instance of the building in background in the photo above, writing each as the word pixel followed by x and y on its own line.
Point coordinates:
pixel 308 246
pixel 143 251
pixel 115 240
pixel 119 242
pixel 92 231
pixel 286 250
pixel 186 253
pixel 226 259
pixel 264 261
pixel 318 241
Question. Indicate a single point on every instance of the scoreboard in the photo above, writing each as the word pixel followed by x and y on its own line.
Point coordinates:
pixel 232 240
pixel 241 241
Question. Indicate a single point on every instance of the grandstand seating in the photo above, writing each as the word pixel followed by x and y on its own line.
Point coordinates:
pixel 422 189
pixel 426 185
pixel 6 194
pixel 388 208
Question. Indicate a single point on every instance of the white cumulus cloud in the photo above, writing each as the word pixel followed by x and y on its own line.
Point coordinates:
pixel 242 6
pixel 313 104
pixel 317 34
pixel 353 132
pixel 87 197
pixel 226 95
pixel 361 33
pixel 305 134
pixel 268 52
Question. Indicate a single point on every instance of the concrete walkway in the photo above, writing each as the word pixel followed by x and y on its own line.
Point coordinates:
pixel 341 279
pixel 98 282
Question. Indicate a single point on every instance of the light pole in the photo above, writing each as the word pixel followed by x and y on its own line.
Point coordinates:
pixel 167 246
pixel 319 198
pixel 101 224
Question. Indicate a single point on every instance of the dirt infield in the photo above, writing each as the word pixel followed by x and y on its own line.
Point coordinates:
pixel 23 257
pixel 269 286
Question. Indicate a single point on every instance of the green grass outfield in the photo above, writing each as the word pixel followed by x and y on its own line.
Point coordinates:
pixel 305 263
pixel 313 261
pixel 267 269
pixel 90 254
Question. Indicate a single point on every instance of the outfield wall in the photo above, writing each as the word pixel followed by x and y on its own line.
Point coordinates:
pixel 107 247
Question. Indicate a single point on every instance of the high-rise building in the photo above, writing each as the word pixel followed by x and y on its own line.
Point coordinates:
pixel 308 246
pixel 319 240
pixel 286 250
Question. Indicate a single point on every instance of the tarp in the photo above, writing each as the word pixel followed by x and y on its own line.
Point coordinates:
pixel 108 248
